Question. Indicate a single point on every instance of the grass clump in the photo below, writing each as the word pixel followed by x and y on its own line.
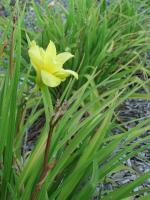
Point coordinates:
pixel 109 44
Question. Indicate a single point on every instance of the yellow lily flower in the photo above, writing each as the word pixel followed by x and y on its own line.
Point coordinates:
pixel 49 65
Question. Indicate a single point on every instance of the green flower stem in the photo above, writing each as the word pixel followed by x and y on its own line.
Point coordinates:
pixel 48 106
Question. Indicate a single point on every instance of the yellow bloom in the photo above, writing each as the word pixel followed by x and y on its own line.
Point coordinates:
pixel 49 65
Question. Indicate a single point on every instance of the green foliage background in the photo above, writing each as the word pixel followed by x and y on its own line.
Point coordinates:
pixel 109 44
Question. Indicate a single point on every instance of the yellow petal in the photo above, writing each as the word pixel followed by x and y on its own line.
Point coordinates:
pixel 32 43
pixel 50 58
pixel 63 74
pixel 63 57
pixel 36 56
pixel 51 49
pixel 49 79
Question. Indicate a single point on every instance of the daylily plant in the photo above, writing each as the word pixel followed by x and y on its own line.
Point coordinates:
pixel 49 65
